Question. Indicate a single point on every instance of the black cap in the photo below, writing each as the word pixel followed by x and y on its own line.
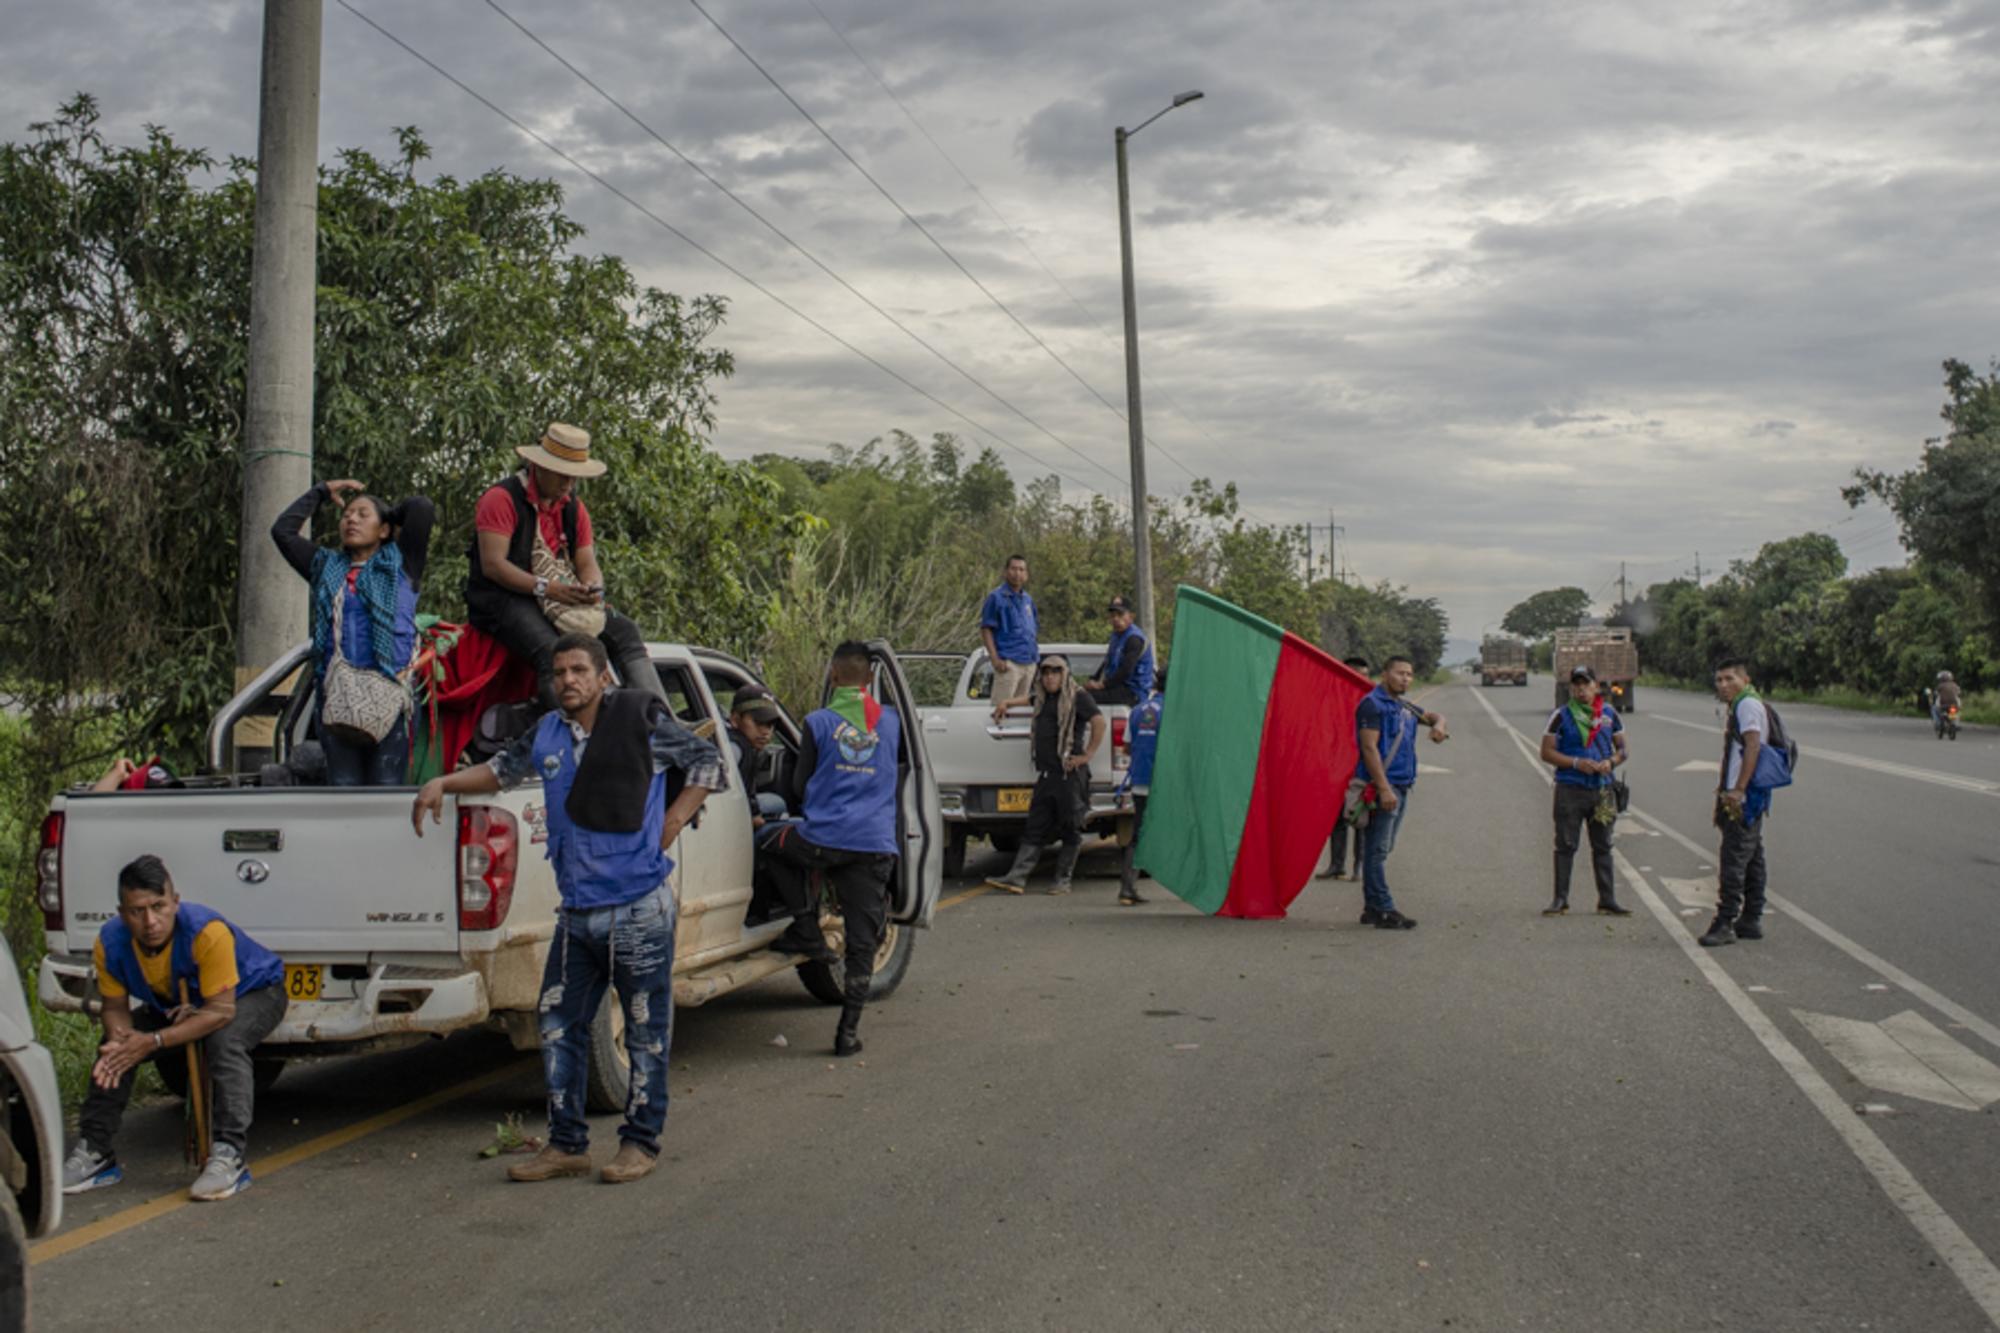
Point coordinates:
pixel 1582 671
pixel 755 701
pixel 1120 604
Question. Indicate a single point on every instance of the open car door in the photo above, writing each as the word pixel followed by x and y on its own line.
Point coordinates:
pixel 919 875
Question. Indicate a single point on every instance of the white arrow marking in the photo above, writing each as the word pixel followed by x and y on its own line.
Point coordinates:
pixel 1906 1055
pixel 1697 766
pixel 1431 768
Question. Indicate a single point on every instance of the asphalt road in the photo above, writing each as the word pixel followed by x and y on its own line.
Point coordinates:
pixel 1080 1116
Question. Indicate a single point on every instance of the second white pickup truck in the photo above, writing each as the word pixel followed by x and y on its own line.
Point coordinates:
pixel 984 772
pixel 391 939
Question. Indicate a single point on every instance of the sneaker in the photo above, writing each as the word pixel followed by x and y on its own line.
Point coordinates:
pixel 1613 909
pixel 1369 916
pixel 1749 929
pixel 1058 890
pixel 1720 932
pixel 1394 920
pixel 88 1169
pixel 225 1175
pixel 550 1164
pixel 1005 885
pixel 1558 907
pixel 631 1163
pixel 1129 900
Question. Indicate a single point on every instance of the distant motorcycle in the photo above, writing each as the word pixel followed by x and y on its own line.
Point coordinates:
pixel 1946 723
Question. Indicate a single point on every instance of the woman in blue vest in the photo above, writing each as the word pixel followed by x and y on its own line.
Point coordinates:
pixel 364 610
pixel 1584 743
pixel 172 974
pixel 1126 677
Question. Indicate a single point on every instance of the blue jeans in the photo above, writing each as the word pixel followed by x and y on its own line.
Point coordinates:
pixel 1379 841
pixel 386 763
pixel 631 949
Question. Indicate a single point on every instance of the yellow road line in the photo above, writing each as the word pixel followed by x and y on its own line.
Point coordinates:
pixel 105 1227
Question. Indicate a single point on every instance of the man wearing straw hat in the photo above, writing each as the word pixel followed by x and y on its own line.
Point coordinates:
pixel 174 974
pixel 533 575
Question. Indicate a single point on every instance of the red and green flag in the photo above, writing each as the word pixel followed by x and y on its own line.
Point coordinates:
pixel 1256 748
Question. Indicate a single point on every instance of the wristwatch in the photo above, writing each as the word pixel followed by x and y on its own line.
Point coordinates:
pixel 541 587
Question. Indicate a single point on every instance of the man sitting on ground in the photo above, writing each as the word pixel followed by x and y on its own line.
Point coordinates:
pixel 172 974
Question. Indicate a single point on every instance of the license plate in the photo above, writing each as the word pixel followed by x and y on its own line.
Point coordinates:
pixel 302 981
pixel 1015 800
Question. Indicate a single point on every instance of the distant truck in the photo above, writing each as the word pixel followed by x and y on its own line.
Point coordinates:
pixel 1503 661
pixel 1608 650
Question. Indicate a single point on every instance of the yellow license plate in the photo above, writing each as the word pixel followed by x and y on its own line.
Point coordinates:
pixel 1015 800
pixel 302 981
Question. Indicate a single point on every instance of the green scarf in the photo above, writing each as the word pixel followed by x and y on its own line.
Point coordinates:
pixel 855 706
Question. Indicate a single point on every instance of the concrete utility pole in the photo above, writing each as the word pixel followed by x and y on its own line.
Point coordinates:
pixel 1142 534
pixel 277 421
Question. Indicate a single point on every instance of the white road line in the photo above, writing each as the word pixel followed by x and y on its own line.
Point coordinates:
pixel 1813 753
pixel 1965 1259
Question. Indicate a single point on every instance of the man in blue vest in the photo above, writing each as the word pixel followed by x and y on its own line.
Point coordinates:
pixel 1126 676
pixel 621 777
pixel 845 783
pixel 1584 743
pixel 1142 729
pixel 173 973
pixel 1011 630
pixel 1385 725
pixel 1740 807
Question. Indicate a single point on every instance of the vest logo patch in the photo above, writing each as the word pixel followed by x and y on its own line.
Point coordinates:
pixel 855 745
pixel 551 765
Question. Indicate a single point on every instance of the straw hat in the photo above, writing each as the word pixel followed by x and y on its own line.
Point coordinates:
pixel 563 448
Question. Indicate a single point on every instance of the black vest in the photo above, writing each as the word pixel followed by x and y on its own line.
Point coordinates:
pixel 616 775
pixel 480 591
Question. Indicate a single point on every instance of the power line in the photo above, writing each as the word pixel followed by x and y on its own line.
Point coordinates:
pixel 779 232
pixel 910 217
pixel 703 250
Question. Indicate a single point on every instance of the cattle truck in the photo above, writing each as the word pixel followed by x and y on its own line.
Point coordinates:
pixel 1503 661
pixel 1608 650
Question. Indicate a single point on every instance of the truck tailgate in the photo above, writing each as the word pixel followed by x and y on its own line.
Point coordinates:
pixel 320 869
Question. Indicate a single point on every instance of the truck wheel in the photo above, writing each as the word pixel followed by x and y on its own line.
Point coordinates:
pixel 13 1262
pixel 1005 843
pixel 954 852
pixel 173 1069
pixel 610 1080
pixel 828 981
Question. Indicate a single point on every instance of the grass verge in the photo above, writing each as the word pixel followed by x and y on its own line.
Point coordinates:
pixel 1978 709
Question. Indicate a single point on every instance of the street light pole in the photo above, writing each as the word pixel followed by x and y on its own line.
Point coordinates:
pixel 1142 535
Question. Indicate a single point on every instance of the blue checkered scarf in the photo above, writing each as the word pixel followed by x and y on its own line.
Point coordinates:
pixel 378 586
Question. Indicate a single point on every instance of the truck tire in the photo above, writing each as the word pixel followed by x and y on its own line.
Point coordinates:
pixel 610 1080
pixel 13 1262
pixel 828 981
pixel 1486 682
pixel 954 852
pixel 1631 699
pixel 173 1069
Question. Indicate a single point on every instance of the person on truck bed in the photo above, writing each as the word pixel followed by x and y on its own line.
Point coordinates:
pixel 533 573
pixel 1068 728
pixel 621 777
pixel 1583 743
pixel 1127 674
pixel 1011 631
pixel 845 783
pixel 173 973
pixel 364 612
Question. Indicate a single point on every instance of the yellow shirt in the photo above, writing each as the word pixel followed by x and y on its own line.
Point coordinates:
pixel 214 958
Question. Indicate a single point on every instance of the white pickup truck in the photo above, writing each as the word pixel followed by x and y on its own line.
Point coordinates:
pixel 390 939
pixel 985 774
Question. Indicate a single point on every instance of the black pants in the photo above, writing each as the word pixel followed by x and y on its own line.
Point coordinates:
pixel 1337 853
pixel 1113 694
pixel 860 879
pixel 517 620
pixel 1128 873
pixel 228 1051
pixel 1055 811
pixel 1574 807
pixel 1742 872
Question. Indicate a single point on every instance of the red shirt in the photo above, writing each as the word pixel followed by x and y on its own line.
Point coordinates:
pixel 496 513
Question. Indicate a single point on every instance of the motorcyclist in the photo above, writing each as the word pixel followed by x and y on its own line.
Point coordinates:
pixel 1944 695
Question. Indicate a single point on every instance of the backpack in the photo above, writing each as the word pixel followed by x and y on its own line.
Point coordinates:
pixel 1777 757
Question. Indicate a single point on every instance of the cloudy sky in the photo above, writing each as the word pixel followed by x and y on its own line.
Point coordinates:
pixel 1517 290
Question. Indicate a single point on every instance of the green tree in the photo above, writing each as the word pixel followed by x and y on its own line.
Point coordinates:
pixel 1546 612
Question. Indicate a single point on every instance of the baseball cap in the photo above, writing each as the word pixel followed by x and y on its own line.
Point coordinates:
pixel 1582 671
pixel 755 701
pixel 1119 604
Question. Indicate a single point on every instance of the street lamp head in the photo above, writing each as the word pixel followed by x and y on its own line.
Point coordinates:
pixel 1182 99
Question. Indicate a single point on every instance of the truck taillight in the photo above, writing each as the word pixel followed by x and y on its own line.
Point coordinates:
pixel 48 873
pixel 489 844
pixel 1121 754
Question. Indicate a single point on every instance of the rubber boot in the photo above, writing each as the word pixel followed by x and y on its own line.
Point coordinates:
pixel 847 1036
pixel 1066 865
pixel 1558 906
pixel 1016 878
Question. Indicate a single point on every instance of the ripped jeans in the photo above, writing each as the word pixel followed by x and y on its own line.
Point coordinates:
pixel 631 949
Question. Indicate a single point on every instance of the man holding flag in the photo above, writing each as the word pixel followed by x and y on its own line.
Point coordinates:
pixel 1584 742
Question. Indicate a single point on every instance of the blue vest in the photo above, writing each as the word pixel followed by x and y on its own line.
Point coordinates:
pixel 1141 680
pixel 594 868
pixel 1569 741
pixel 1143 727
pixel 256 966
pixel 1386 713
pixel 851 793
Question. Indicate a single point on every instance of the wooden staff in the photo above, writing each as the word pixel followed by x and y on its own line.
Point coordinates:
pixel 195 1144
